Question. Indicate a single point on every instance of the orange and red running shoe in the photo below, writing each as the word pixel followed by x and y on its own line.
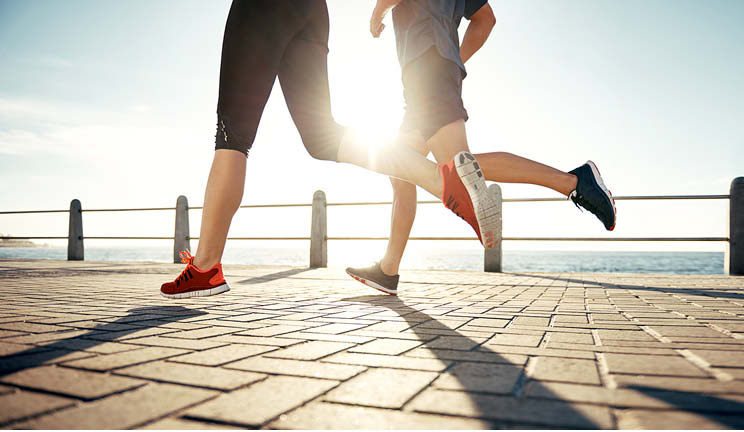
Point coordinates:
pixel 194 282
pixel 464 193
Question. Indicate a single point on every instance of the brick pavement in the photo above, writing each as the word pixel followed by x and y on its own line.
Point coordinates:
pixel 93 345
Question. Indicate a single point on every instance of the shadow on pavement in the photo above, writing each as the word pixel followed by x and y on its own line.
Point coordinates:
pixel 272 276
pixel 490 383
pixel 493 384
pixel 689 291
pixel 108 332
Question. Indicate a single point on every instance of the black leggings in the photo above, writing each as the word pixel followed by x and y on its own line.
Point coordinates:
pixel 269 38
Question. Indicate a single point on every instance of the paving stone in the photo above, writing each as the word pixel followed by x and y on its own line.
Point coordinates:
pixel 687 332
pixel 187 344
pixel 328 337
pixel 90 345
pixel 22 404
pixel 722 358
pixel 257 340
pixel 703 385
pixel 383 388
pixel 488 322
pixel 222 355
pixel 198 376
pixel 321 416
pixel 655 419
pixel 312 350
pixel 532 351
pixel 274 330
pixel 297 368
pixel 123 359
pixel 377 360
pixel 204 333
pixel 386 346
pixel 513 339
pixel 455 343
pixel 31 327
pixel 480 377
pixel 38 338
pixel 563 369
pixel 261 402
pixel 531 321
pixel 570 338
pixel 471 356
pixel 72 382
pixel 182 424
pixel 651 365
pixel 38 357
pixel 123 411
pixel 496 407
pixel 624 335
pixel 7 349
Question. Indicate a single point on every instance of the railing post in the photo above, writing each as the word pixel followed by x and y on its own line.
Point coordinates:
pixel 492 257
pixel 75 248
pixel 319 232
pixel 735 262
pixel 182 235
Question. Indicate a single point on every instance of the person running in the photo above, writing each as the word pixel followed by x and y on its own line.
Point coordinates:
pixel 288 39
pixel 432 63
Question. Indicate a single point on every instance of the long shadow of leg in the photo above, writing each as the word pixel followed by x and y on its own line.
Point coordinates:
pixel 491 380
pixel 47 353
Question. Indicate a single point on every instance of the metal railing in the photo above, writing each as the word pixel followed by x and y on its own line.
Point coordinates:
pixel 734 263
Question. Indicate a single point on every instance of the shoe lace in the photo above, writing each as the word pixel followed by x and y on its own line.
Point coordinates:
pixel 186 258
pixel 452 205
pixel 579 202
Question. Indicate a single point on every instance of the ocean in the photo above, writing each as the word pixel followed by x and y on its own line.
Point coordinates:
pixel 420 258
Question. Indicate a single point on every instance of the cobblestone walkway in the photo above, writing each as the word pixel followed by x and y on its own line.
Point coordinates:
pixel 93 345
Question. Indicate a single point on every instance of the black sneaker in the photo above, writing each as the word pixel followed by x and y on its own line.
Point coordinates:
pixel 592 194
pixel 374 277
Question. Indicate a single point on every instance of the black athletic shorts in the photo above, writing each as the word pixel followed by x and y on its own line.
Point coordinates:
pixel 432 87
pixel 269 38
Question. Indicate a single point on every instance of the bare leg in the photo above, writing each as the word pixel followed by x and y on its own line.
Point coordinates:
pixel 221 200
pixel 403 214
pixel 509 168
pixel 496 166
pixel 398 161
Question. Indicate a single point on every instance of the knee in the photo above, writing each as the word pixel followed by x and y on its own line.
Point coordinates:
pixel 322 143
pixel 402 190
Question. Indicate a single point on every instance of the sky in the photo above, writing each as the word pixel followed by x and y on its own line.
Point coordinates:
pixel 113 103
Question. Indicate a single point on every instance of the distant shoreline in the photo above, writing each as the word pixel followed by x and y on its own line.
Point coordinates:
pixel 5 243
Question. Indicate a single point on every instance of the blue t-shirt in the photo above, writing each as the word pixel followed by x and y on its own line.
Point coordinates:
pixel 421 24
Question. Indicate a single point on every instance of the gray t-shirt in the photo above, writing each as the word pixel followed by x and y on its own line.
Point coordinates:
pixel 421 24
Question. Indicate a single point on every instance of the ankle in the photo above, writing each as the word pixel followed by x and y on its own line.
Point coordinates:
pixel 388 267
pixel 570 185
pixel 205 263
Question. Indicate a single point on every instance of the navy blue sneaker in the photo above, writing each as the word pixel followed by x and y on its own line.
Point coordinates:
pixel 592 194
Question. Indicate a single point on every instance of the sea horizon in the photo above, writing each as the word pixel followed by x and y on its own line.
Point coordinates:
pixel 644 262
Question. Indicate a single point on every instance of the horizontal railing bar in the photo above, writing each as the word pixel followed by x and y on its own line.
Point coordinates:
pixel 34 211
pixel 33 238
pixel 128 209
pixel 370 203
pixel 624 239
pixel 593 239
pixel 126 238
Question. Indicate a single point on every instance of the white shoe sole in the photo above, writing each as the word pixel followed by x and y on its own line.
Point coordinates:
pixel 600 182
pixel 483 203
pixel 374 285
pixel 219 289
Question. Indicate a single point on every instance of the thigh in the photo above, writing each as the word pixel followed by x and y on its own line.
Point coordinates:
pixel 448 141
pixel 303 75
pixel 256 34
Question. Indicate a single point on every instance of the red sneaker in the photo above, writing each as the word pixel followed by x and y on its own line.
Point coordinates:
pixel 464 192
pixel 195 283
